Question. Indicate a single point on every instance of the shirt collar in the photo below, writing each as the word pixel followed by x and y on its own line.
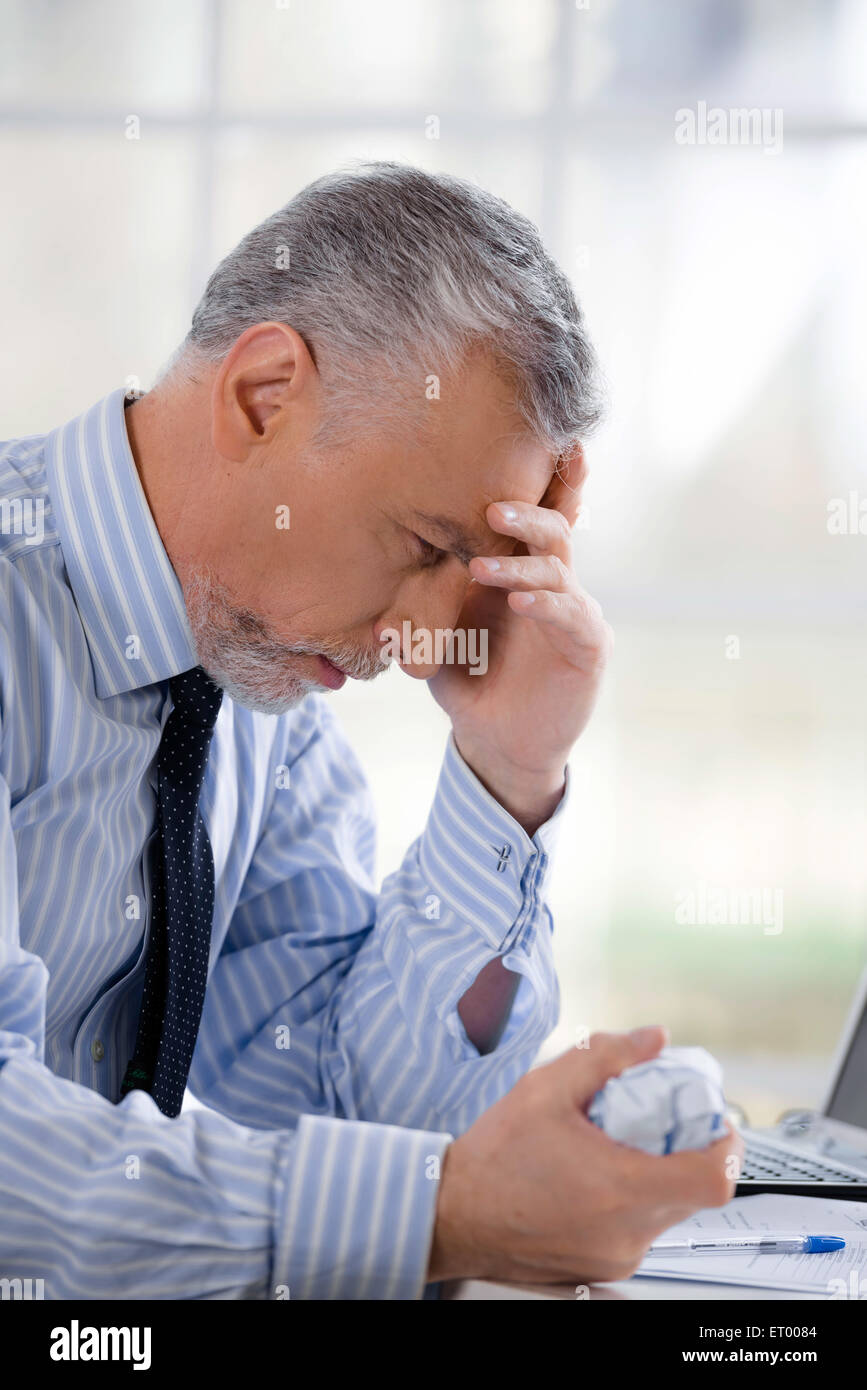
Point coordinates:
pixel 129 597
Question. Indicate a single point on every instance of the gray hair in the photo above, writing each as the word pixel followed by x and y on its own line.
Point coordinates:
pixel 390 275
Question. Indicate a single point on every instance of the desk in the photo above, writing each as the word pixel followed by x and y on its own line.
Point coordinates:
pixel 627 1290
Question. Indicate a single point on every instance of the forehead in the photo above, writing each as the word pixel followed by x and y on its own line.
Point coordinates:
pixel 475 448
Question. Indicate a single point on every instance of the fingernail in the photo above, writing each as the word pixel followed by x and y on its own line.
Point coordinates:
pixel 525 599
pixel 491 565
pixel 644 1035
pixel 507 513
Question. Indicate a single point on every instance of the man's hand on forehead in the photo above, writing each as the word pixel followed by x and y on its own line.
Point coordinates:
pixel 563 495
pixel 516 724
pixel 542 529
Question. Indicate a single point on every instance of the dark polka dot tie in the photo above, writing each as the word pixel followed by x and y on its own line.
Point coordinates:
pixel 176 966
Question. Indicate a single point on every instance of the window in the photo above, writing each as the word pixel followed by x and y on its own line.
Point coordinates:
pixel 723 777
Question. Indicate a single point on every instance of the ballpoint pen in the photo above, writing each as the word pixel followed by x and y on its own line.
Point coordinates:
pixel 770 1245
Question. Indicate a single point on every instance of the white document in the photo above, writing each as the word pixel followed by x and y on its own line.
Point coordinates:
pixel 839 1273
pixel 673 1102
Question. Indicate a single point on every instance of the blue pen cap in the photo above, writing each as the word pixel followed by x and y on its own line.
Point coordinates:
pixel 816 1245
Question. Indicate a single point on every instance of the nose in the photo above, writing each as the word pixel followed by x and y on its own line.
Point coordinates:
pixel 426 606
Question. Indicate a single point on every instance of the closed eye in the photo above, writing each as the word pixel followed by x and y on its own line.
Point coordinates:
pixel 429 555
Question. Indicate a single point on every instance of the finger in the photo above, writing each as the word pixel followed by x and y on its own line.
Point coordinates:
pixel 569 611
pixel 522 571
pixel 584 1070
pixel 544 531
pixel 565 490
pixel 694 1177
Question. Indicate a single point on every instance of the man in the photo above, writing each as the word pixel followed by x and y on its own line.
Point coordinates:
pixel 375 421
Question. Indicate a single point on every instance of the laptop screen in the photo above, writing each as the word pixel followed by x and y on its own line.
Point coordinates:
pixel 849 1098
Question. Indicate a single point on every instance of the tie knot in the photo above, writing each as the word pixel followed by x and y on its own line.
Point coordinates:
pixel 196 697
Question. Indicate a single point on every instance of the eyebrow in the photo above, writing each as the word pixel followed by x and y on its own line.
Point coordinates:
pixel 459 540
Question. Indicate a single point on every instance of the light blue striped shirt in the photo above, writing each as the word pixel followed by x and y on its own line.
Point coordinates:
pixel 331 1062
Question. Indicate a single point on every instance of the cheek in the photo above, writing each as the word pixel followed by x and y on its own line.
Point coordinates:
pixel 330 566
pixel 332 590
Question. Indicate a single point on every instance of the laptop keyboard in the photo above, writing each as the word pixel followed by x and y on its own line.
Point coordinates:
pixel 766 1161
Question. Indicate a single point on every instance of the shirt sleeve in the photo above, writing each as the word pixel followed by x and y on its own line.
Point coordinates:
pixel 104 1201
pixel 333 1008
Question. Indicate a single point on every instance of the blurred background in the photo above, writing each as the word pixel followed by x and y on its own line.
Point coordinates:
pixel 711 871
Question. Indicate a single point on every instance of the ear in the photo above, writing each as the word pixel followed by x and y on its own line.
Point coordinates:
pixel 563 493
pixel 266 383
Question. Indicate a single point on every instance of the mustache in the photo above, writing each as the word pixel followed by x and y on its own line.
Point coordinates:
pixel 255 642
pixel 359 665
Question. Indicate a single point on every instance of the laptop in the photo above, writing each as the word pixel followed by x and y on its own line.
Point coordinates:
pixel 819 1153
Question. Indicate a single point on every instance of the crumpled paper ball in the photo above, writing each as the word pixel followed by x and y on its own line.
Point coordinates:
pixel 673 1102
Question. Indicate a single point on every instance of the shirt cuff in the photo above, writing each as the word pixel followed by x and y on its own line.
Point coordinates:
pixel 477 856
pixel 358 1212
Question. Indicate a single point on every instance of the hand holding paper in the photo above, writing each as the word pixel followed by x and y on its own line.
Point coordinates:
pixel 671 1103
